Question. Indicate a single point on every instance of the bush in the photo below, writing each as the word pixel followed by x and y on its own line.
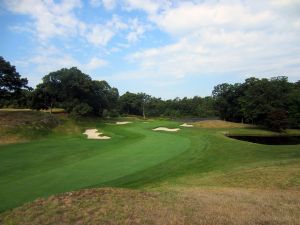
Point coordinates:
pixel 81 109
pixel 277 119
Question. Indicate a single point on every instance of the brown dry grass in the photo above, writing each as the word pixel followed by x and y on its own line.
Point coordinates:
pixel 184 206
pixel 20 118
pixel 220 124
pixel 10 139
pixel 14 110
pixel 16 125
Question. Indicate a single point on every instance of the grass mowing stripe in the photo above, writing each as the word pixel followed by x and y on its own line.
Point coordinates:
pixel 110 162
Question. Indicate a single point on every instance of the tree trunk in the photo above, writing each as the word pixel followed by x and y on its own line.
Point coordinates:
pixel 51 105
pixel 144 111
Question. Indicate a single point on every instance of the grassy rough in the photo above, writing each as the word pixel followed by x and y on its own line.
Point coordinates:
pixel 221 124
pixel 185 206
pixel 21 126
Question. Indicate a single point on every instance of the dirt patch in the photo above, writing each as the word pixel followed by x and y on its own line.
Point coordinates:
pixel 94 134
pixel 186 125
pixel 166 129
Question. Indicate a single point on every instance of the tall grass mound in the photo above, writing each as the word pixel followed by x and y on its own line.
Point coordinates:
pixel 190 206
pixel 24 125
pixel 221 124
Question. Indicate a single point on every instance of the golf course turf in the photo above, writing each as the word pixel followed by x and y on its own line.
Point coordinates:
pixel 137 157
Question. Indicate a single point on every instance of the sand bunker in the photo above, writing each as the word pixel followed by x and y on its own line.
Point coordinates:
pixel 166 129
pixel 186 125
pixel 122 123
pixel 94 134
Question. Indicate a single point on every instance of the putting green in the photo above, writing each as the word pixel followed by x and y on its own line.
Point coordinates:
pixel 60 164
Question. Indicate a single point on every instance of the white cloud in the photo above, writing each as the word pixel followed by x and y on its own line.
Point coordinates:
pixel 46 59
pixel 116 23
pixel 50 19
pixel 190 17
pixel 216 37
pixel 100 35
pixel 137 30
pixel 49 58
pixel 109 4
pixel 203 37
pixel 149 6
pixel 95 63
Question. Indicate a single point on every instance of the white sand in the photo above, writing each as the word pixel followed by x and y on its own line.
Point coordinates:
pixel 94 134
pixel 122 123
pixel 186 125
pixel 166 129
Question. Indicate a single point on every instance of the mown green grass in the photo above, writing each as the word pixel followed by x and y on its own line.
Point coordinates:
pixel 135 157
pixel 63 163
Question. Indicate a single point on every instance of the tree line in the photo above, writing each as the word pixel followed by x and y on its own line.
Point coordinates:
pixel 274 103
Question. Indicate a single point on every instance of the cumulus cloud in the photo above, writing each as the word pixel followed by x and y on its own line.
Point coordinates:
pixel 200 36
pixel 49 18
pixel 137 29
pixel 100 35
pixel 109 4
pixel 149 6
pixel 218 37
pixel 46 59
pixel 95 63
pixel 190 17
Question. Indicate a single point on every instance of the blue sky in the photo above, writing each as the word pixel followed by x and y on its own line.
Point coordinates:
pixel 166 48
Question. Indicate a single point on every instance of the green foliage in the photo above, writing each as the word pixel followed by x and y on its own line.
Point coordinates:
pixel 13 88
pixel 277 119
pixel 273 102
pixel 131 103
pixel 136 104
pixel 71 89
pixel 81 109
